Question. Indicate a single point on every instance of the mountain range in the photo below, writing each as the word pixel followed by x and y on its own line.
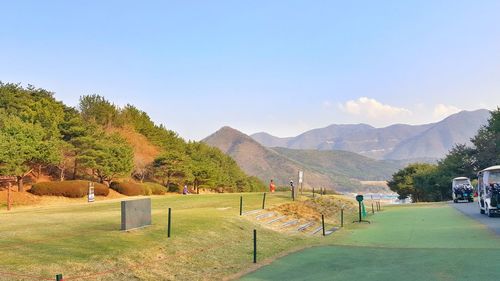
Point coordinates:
pixel 339 170
pixel 346 157
pixel 396 142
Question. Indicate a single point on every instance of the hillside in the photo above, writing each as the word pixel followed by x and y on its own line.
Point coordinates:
pixel 337 162
pixel 398 142
pixel 339 170
pixel 262 162
pixel 44 139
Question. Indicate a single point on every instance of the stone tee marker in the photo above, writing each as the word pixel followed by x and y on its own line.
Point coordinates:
pixel 136 213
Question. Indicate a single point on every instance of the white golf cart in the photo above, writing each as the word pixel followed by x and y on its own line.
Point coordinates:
pixel 489 191
pixel 461 190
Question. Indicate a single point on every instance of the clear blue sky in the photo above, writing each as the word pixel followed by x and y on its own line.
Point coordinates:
pixel 276 66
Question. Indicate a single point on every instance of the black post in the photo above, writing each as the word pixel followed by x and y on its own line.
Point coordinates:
pixel 359 211
pixel 373 210
pixel 313 192
pixel 323 223
pixel 254 246
pixel 59 277
pixel 169 221
pixel 241 205
pixel 264 201
pixel 342 217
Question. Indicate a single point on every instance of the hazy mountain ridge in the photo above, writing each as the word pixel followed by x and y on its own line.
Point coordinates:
pixel 396 142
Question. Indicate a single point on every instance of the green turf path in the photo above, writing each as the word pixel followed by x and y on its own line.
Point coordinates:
pixel 425 242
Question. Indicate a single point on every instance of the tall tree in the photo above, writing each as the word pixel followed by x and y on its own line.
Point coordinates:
pixel 20 143
pixel 171 167
pixel 487 142
pixel 107 157
pixel 95 108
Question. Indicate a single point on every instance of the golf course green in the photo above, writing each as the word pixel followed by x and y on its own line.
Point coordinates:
pixel 417 242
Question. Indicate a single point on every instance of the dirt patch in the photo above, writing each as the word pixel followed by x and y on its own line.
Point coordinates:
pixel 19 198
pixel 312 209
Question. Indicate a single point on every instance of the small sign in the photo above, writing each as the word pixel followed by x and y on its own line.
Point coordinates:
pixel 301 176
pixel 359 198
pixel 91 196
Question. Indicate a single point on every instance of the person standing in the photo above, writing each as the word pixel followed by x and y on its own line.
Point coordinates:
pixel 272 187
pixel 185 190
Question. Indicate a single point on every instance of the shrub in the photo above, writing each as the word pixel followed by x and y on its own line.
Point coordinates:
pixel 154 188
pixel 129 188
pixel 72 189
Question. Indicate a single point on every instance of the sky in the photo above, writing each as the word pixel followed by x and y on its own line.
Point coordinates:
pixel 282 67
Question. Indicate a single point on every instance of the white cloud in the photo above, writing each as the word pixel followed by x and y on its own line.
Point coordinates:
pixel 327 104
pixel 442 110
pixel 373 109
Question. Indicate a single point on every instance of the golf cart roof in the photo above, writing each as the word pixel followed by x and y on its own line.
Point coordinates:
pixel 492 168
pixel 461 178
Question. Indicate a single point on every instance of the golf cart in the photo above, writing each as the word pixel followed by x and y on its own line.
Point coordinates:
pixel 461 190
pixel 489 191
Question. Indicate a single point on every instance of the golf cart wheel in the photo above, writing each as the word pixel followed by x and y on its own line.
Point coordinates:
pixel 481 211
pixel 455 201
pixel 488 212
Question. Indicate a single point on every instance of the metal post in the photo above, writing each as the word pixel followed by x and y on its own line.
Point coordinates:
pixel 59 277
pixel 373 210
pixel 169 221
pixel 359 211
pixel 241 205
pixel 254 246
pixel 9 199
pixel 342 217
pixel 323 223
pixel 264 201
pixel 313 192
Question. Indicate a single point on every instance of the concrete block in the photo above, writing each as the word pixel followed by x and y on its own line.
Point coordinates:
pixel 136 213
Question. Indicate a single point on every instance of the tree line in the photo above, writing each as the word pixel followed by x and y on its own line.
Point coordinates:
pixel 432 182
pixel 40 135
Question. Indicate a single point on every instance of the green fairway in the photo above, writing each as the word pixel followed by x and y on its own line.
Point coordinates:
pixel 209 240
pixel 424 242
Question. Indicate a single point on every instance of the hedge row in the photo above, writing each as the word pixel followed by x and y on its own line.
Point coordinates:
pixel 134 189
pixel 72 188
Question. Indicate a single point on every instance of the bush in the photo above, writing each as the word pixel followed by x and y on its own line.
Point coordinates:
pixel 72 189
pixel 129 188
pixel 154 188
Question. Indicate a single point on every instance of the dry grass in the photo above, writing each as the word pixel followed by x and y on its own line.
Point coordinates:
pixel 209 240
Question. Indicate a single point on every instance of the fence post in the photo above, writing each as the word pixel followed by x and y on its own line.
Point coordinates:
pixel 241 205
pixel 169 221
pixel 9 199
pixel 254 246
pixel 323 223
pixel 59 277
pixel 373 210
pixel 264 201
pixel 313 192
pixel 342 217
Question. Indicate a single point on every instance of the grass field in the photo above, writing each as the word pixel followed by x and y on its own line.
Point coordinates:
pixel 210 241
pixel 418 242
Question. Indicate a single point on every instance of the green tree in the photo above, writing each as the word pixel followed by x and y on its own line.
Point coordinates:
pixel 95 108
pixel 487 142
pixel 20 143
pixel 107 157
pixel 171 167
pixel 402 181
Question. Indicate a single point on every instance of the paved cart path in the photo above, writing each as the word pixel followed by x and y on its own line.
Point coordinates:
pixel 413 243
pixel 472 210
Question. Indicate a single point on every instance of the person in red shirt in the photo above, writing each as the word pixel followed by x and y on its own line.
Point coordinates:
pixel 272 187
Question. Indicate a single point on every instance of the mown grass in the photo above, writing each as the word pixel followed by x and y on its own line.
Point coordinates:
pixel 418 242
pixel 210 241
